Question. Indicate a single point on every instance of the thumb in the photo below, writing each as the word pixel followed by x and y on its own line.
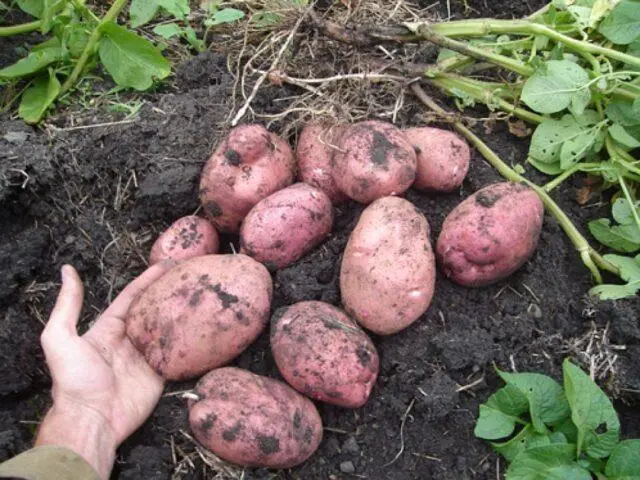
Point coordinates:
pixel 66 313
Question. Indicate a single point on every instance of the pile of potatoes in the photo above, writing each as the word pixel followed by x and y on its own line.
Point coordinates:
pixel 210 307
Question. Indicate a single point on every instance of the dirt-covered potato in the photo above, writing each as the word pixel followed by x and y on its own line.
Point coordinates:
pixel 443 158
pixel 254 421
pixel 387 277
pixel 187 237
pixel 314 152
pixel 324 354
pixel 250 164
pixel 200 314
pixel 286 225
pixel 490 234
pixel 374 159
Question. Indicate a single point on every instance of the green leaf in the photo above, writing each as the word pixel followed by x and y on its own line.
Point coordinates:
pixel 567 429
pixel 629 267
pixel 615 292
pixel 142 11
pixel 76 37
pixel 518 444
pixel 548 137
pixel 581 14
pixel 266 19
pixel 51 14
pixel 548 168
pixel 499 415
pixel 131 60
pixel 624 462
pixel 178 8
pixel 621 136
pixel 226 15
pixel 576 148
pixel 547 403
pixel 168 30
pixel 623 113
pixel 38 97
pixel 32 7
pixel 623 238
pixel 622 26
pixel 622 211
pixel 549 462
pixel 600 9
pixel 552 89
pixel 34 62
pixel 592 413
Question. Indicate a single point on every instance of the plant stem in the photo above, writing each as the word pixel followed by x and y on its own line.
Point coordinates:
pixel 20 29
pixel 578 167
pixel 590 257
pixel 632 204
pixel 110 16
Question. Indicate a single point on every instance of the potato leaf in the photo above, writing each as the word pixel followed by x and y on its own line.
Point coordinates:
pixel 548 168
pixel 142 11
pixel 622 211
pixel 622 238
pixel 168 30
pixel 131 60
pixel 624 462
pixel 34 62
pixel 622 26
pixel 623 113
pixel 592 413
pixel 629 267
pixel 547 403
pixel 226 15
pixel 576 148
pixel 550 462
pixel 553 88
pixel 512 447
pixel 615 292
pixel 38 97
pixel 32 7
pixel 622 137
pixel 499 415
pixel 548 137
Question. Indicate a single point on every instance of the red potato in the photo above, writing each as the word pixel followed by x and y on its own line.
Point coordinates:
pixel 443 158
pixel 187 237
pixel 387 276
pixel 324 354
pixel 254 421
pixel 200 314
pixel 490 234
pixel 374 159
pixel 286 225
pixel 314 152
pixel 249 165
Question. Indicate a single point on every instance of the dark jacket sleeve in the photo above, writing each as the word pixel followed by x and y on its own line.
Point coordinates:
pixel 48 462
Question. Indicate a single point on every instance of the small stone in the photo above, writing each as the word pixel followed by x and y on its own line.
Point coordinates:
pixel 535 311
pixel 17 138
pixel 347 467
pixel 350 445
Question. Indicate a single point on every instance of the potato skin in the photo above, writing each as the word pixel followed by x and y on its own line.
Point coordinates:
pixel 286 225
pixel 254 421
pixel 443 159
pixel 200 314
pixel 374 159
pixel 314 154
pixel 324 354
pixel 490 234
pixel 187 237
pixel 387 277
pixel 249 164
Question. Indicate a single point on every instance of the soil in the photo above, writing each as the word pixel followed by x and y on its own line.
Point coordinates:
pixel 96 198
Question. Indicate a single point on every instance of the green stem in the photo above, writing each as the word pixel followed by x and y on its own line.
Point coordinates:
pixel 632 204
pixel 590 257
pixel 578 167
pixel 81 7
pixel 110 16
pixel 482 27
pixel 20 29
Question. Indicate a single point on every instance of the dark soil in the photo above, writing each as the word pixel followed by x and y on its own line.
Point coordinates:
pixel 97 197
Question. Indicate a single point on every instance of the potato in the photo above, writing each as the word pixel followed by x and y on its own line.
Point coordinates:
pixel 374 159
pixel 490 234
pixel 254 421
pixel 443 159
pixel 286 225
pixel 249 165
pixel 187 237
pixel 200 314
pixel 387 277
pixel 324 354
pixel 314 152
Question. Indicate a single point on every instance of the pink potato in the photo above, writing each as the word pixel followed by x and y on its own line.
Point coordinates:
pixel 254 421
pixel 249 165
pixel 374 159
pixel 200 314
pixel 286 225
pixel 314 152
pixel 443 158
pixel 187 237
pixel 324 354
pixel 387 277
pixel 490 234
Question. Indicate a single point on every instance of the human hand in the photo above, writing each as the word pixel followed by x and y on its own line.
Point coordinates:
pixel 103 389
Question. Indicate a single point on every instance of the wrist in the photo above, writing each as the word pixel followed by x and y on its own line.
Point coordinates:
pixel 82 430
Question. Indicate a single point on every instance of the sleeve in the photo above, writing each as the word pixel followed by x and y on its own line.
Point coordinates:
pixel 46 463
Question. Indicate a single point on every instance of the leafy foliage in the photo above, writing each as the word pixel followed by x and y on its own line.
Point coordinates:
pixel 566 433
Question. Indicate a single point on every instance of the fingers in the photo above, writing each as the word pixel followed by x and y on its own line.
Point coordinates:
pixel 120 306
pixel 66 312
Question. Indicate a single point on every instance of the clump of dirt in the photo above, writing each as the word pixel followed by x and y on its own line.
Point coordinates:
pixel 96 197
